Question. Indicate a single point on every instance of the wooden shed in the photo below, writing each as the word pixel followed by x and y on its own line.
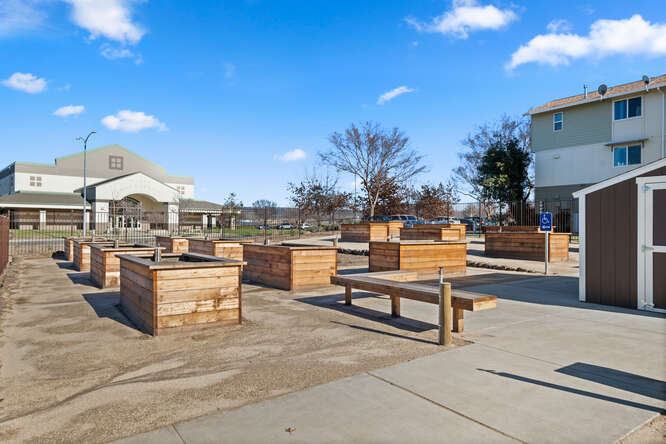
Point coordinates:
pixel 623 239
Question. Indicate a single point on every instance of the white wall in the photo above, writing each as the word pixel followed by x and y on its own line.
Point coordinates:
pixel 189 189
pixel 585 164
pixel 52 183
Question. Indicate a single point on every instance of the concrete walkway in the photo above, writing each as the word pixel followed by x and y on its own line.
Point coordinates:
pixel 543 368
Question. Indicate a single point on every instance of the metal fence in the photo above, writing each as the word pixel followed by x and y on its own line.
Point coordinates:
pixel 4 244
pixel 40 232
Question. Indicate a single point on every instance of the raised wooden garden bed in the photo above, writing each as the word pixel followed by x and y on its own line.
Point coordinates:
pixel 528 245
pixel 69 244
pixel 230 249
pixel 434 233
pixel 394 227
pixel 81 252
pixel 290 268
pixel 460 227
pixel 513 229
pixel 418 255
pixel 365 232
pixel 182 291
pixel 105 264
pixel 173 244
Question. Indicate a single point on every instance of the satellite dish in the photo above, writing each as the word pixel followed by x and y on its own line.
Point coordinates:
pixel 646 79
pixel 602 89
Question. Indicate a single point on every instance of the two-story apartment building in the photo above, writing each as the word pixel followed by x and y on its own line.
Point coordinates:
pixel 584 139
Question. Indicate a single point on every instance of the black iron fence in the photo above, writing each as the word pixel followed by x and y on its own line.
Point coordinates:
pixel 38 232
pixel 4 244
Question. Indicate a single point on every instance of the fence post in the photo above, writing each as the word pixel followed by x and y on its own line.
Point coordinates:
pixel 265 225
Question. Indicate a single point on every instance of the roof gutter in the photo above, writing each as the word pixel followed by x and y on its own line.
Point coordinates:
pixel 663 118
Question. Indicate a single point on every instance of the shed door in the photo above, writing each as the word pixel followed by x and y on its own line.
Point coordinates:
pixel 655 246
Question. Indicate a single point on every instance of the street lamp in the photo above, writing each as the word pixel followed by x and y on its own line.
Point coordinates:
pixel 85 200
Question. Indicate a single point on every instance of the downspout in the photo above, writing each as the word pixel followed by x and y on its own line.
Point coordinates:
pixel 663 118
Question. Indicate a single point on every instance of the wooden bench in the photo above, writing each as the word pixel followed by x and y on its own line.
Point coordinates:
pixel 396 284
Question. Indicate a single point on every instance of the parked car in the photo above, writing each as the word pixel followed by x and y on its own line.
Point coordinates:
pixel 305 226
pixel 445 220
pixel 408 221
pixel 377 218
pixel 470 225
pixel 285 226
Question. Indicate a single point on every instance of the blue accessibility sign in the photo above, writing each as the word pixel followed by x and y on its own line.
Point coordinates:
pixel 546 221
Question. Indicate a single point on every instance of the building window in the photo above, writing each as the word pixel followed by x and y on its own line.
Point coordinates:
pixel 115 162
pixel 35 181
pixel 558 121
pixel 181 190
pixel 627 109
pixel 626 155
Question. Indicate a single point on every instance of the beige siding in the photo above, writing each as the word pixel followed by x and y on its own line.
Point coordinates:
pixel 583 125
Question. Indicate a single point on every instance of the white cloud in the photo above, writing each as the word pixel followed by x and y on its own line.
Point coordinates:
pixel 390 95
pixel 132 121
pixel 466 16
pixel 64 88
pixel 633 36
pixel 69 110
pixel 19 15
pixel 116 53
pixel 293 155
pixel 559 25
pixel 109 18
pixel 25 82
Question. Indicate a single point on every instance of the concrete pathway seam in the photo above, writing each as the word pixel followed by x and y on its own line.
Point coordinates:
pixel 469 418
pixel 173 426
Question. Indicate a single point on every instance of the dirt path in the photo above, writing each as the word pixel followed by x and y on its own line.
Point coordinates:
pixel 74 369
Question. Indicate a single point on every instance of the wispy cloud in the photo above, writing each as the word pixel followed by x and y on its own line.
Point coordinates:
pixel 69 110
pixel 466 16
pixel 25 82
pixel 132 121
pixel 66 87
pixel 293 155
pixel 19 15
pixel 632 36
pixel 109 18
pixel 392 94
pixel 559 25
pixel 112 53
pixel 229 70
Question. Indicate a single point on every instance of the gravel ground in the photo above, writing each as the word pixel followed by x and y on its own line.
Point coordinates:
pixel 74 369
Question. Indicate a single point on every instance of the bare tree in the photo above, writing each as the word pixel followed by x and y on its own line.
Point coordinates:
pixel 378 157
pixel 318 196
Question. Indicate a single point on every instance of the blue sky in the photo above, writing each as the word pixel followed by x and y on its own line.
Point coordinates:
pixel 222 90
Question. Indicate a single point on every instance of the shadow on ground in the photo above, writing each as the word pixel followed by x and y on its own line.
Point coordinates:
pixel 106 306
pixel 336 302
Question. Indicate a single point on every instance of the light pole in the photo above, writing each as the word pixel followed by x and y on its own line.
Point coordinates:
pixel 85 194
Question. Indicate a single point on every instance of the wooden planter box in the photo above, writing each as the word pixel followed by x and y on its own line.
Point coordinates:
pixel 174 244
pixel 365 232
pixel 418 255
pixel 528 245
pixel 81 252
pixel 394 228
pixel 183 291
pixel 69 244
pixel 436 233
pixel 230 249
pixel 105 264
pixel 460 227
pixel 513 229
pixel 290 268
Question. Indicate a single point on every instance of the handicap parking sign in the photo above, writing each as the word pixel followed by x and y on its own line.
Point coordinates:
pixel 546 221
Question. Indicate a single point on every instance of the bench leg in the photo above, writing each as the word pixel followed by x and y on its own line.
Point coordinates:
pixel 348 292
pixel 458 320
pixel 395 306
